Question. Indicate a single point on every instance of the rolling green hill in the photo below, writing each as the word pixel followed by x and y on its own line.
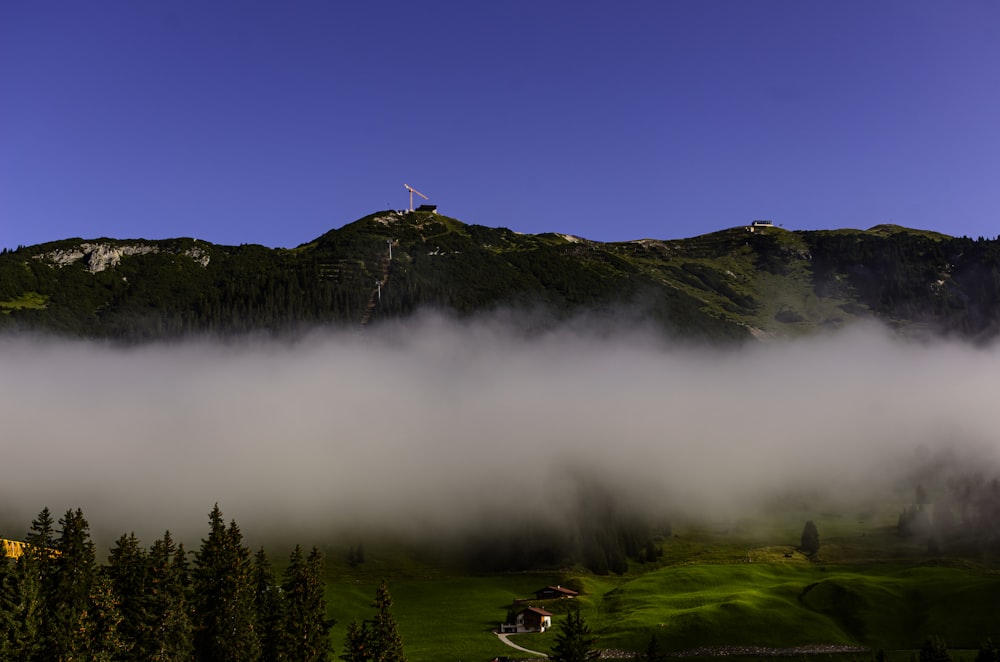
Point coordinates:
pixel 866 589
pixel 725 286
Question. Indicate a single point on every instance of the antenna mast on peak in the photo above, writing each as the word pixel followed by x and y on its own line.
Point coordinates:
pixel 412 191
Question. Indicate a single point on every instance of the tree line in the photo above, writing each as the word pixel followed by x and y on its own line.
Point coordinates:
pixel 952 282
pixel 600 532
pixel 160 604
pixel 962 515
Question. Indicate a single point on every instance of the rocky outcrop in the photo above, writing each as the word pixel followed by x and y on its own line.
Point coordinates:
pixel 198 255
pixel 100 256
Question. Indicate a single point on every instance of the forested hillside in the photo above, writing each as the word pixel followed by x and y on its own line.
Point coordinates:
pixel 725 286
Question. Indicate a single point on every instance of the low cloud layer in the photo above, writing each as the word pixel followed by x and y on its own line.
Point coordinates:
pixel 437 423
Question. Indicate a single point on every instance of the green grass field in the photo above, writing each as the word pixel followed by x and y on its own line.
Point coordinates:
pixel 28 300
pixel 712 587
pixel 447 618
pixel 888 607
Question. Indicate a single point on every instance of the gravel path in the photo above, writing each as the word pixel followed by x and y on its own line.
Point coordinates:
pixel 504 638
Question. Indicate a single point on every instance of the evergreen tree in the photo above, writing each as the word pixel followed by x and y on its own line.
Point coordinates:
pixel 269 604
pixel 809 543
pixel 170 610
pixel 128 573
pixel 36 573
pixel 306 629
pixel 386 644
pixel 8 608
pixel 357 643
pixel 100 637
pixel 355 556
pixel 42 532
pixel 574 642
pixel 67 591
pixel 19 609
pixel 225 619
pixel 21 602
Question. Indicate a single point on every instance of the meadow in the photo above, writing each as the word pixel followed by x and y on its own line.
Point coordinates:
pixel 715 586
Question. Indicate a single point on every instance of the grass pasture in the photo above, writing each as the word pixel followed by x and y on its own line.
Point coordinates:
pixel 713 587
pixel 446 618
pixel 879 606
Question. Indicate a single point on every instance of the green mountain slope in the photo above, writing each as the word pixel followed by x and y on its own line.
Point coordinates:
pixel 728 285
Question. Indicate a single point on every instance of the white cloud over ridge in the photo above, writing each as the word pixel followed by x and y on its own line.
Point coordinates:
pixel 438 422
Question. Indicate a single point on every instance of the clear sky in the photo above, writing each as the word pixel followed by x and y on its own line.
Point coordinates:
pixel 273 122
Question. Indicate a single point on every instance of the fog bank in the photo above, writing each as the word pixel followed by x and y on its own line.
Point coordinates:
pixel 437 423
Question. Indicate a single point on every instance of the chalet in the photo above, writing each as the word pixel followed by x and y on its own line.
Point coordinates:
pixel 429 208
pixel 554 592
pixel 760 225
pixel 533 619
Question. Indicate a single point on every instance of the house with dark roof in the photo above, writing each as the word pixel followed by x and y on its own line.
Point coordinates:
pixel 533 619
pixel 554 592
pixel 529 619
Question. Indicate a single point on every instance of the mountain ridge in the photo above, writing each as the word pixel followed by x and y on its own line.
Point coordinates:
pixel 728 285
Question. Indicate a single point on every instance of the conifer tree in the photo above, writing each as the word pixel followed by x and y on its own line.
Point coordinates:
pixel 316 601
pixel 100 637
pixel 357 643
pixel 42 531
pixel 574 642
pixel 19 605
pixel 8 608
pixel 377 639
pixel 169 603
pixel 68 589
pixel 269 604
pixel 307 630
pixel 356 555
pixel 21 602
pixel 37 569
pixel 225 619
pixel 809 543
pixel 128 573
pixel 386 643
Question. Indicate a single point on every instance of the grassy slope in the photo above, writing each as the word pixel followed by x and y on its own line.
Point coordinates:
pixel 441 616
pixel 763 280
pixel 28 300
pixel 881 606
pixel 866 587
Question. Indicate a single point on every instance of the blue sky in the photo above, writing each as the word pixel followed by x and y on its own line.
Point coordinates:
pixel 273 122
